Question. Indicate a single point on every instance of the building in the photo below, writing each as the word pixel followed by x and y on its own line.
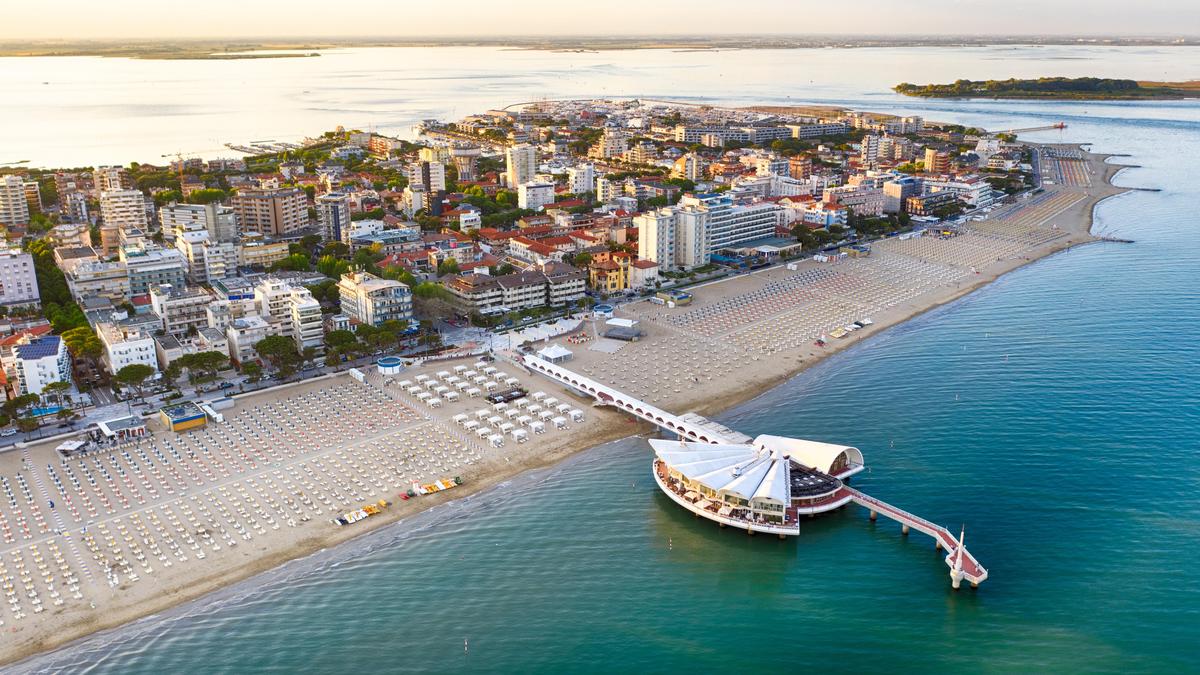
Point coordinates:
pixel 206 261
pixel 241 336
pixel 149 265
pixel 800 167
pixel 110 178
pixel 181 309
pixel 861 200
pixel 333 215
pixel 38 361
pixel 219 221
pixel 14 208
pixel 688 167
pixel 70 234
pixel 897 191
pixel 643 274
pixel 521 164
pixel 182 417
pixel 729 223
pixel 552 284
pixel 122 212
pixel 125 345
pixel 254 250
pixel 271 211
pixel 656 237
pixel 936 161
pixel 581 179
pixel 290 311
pixel 89 277
pixel 466 160
pixel 818 130
pixel 431 176
pixel 612 143
pixel 535 196
pixel 869 149
pixel 18 279
pixel 929 204
pixel 370 300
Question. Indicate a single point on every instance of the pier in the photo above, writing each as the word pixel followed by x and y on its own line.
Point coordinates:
pixel 1049 127
pixel 693 429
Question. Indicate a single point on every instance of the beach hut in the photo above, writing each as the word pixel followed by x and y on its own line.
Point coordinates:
pixel 499 406
pixel 534 408
pixel 497 440
pixel 512 412
pixel 521 402
pixel 576 415
pixel 545 415
pixel 443 374
pixel 563 408
pixel 473 392
pixel 460 418
pixel 512 381
pixel 491 386
pixel 507 427
pixel 460 369
pixel 524 420
pixel 434 402
pixel 479 364
pixel 483 432
pixel 550 402
pixel 481 414
pixel 519 435
pixel 469 374
pixel 559 422
pixel 462 386
pixel 490 370
pixel 471 425
pixel 405 384
pixel 495 420
pixel 441 389
pixel 539 396
pixel 424 396
pixel 451 396
pixel 423 378
pixel 537 427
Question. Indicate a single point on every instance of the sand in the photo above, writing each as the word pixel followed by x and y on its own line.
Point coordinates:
pixel 693 358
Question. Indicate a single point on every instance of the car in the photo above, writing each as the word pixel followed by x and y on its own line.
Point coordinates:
pixel 8 431
pixel 227 385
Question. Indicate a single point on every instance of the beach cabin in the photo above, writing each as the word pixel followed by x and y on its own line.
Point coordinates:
pixel 483 432
pixel 460 418
pixel 404 384
pixel 550 402
pixel 537 427
pixel 519 435
pixel 491 386
pixel 497 440
pixel 521 402
pixel 544 415
pixel 434 402
pixel 511 381
pixel 499 406
pixel 534 408
pixel 460 369
pixel 495 420
pixel 474 392
pixel 524 420
pixel 559 422
pixel 451 396
pixel 563 408
pixel 539 396
pixel 512 412
pixel 576 415
pixel 507 427
pixel 482 414
pixel 470 425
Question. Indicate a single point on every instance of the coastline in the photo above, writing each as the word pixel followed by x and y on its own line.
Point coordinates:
pixel 609 426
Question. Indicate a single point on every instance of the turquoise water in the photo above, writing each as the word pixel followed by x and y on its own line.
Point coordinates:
pixel 1055 413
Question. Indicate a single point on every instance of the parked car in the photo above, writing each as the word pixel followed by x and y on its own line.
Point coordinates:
pixel 8 431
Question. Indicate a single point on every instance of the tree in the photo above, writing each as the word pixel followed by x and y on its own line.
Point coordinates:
pixel 16 405
pixel 336 249
pixel 338 338
pixel 252 371
pixel 135 375
pixel 280 351
pixel 28 424
pixel 55 390
pixel 297 262
pixel 447 266
pixel 206 196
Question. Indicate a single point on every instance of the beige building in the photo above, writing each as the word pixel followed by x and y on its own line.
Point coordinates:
pixel 123 212
pixel 366 298
pixel 14 209
pixel 181 309
pixel 274 211
pixel 256 251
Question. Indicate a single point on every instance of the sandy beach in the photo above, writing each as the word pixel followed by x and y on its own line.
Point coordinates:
pixel 174 517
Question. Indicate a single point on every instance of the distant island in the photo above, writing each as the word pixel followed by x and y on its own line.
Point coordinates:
pixel 1082 88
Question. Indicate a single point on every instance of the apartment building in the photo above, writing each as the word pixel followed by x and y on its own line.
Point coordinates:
pixel 18 280
pixel 125 345
pixel 14 208
pixel 122 212
pixel 180 308
pixel 333 215
pixel 520 164
pixel 370 300
pixel 149 265
pixel 220 222
pixel 271 211
pixel 535 196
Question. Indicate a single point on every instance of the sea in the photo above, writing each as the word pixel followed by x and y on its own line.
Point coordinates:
pixel 1054 414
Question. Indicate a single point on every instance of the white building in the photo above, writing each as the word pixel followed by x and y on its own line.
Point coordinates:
pixel 521 164
pixel 656 237
pixel 181 309
pixel 206 260
pixel 18 280
pixel 125 346
pixel 427 174
pixel 290 311
pixel 370 300
pixel 242 334
pixel 535 196
pixel 14 209
pixel 39 362
pixel 731 224
pixel 581 179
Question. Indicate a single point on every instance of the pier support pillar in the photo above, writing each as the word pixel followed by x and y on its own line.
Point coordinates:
pixel 873 516
pixel 783 536
pixel 937 544
pixel 956 578
pixel 749 532
pixel 904 530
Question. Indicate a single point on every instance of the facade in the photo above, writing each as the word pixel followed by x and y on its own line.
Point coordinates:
pixel 180 308
pixel 730 224
pixel 333 215
pixel 897 191
pixel 290 311
pixel 14 208
pixel 553 284
pixel 123 211
pixel 368 299
pixel 272 211
pixel 18 281
pixel 581 179
pixel 861 200
pixel 125 345
pixel 257 251
pixel 656 237
pixel 521 164
pixel 219 221
pixel 241 336
pixel 612 143
pixel 466 160
pixel 688 167
pixel 40 361
pixel 430 175
pixel 89 277
pixel 936 161
pixel 149 265
pixel 535 196
pixel 206 261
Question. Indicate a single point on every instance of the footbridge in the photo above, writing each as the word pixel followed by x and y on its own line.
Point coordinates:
pixel 963 565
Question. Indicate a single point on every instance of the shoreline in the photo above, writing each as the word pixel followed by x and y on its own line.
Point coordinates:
pixel 610 426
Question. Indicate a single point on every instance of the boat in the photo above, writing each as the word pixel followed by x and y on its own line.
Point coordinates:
pixel 436 486
pixel 839 333
pixel 361 514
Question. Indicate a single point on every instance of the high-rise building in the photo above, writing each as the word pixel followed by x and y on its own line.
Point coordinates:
pixel 14 209
pixel 291 311
pixel 730 224
pixel 271 211
pixel 656 237
pixel 581 179
pixel 897 191
pixel 521 164
pixel 800 167
pixel 429 175
pixel 75 206
pixel 219 221
pixel 33 197
pixel 368 299
pixel 333 215
pixel 869 151
pixel 149 265
pixel 535 196
pixel 613 143
pixel 936 161
pixel 38 361
pixel 18 282
pixel 123 212
pixel 687 167
pixel 111 179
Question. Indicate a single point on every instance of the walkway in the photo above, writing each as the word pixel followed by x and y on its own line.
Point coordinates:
pixel 962 564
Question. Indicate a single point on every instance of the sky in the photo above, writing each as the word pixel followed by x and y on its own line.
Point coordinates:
pixel 146 19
